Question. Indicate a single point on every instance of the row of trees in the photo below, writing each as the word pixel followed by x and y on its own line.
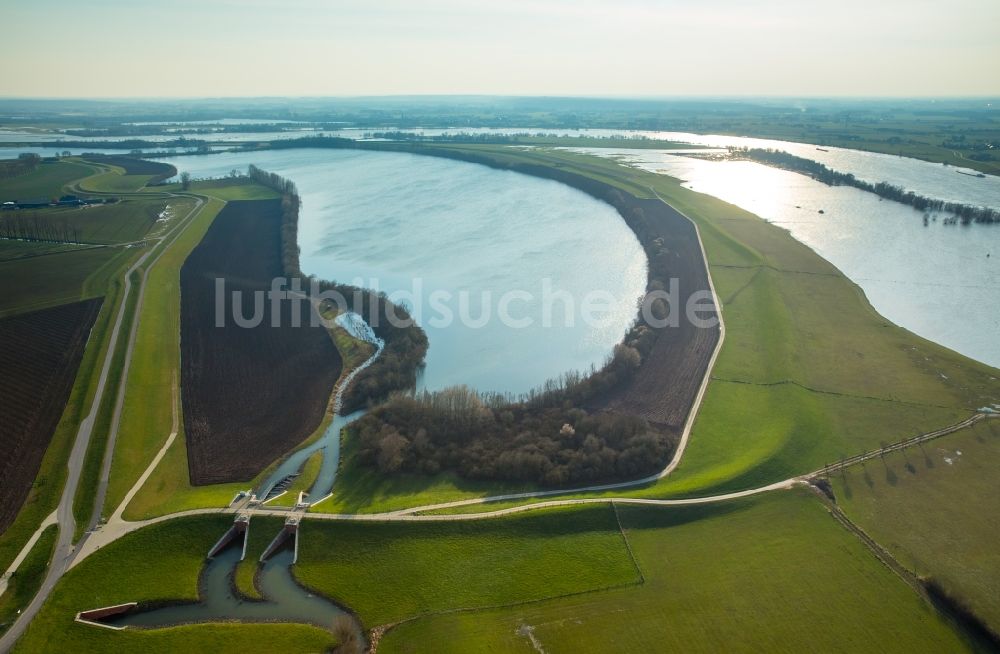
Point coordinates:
pixel 33 228
pixel 455 430
pixel 780 159
pixel 25 163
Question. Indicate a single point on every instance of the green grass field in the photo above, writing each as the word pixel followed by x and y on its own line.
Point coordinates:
pixel 25 582
pixel 83 502
pixel 932 507
pixel 159 562
pixel 773 575
pixel 113 182
pixel 387 572
pixel 226 189
pixel 11 250
pixel 121 222
pixel 45 182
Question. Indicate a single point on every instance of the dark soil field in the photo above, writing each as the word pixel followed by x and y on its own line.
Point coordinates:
pixel 664 387
pixel 134 166
pixel 39 356
pixel 250 394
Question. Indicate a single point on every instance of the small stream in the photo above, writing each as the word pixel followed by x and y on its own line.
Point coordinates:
pixel 329 442
pixel 285 600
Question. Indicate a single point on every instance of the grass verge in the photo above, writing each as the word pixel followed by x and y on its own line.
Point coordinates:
pixel 775 574
pixel 925 505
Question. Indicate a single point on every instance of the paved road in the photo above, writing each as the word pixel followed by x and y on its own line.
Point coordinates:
pixel 64 552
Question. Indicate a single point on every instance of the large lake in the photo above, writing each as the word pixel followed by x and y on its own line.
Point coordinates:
pixel 383 220
pixel 934 280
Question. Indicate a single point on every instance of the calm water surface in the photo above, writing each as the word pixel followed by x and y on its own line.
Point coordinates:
pixel 940 281
pixel 386 219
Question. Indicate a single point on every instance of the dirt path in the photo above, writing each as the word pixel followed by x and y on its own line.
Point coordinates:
pixel 117 528
pixel 23 554
pixel 102 488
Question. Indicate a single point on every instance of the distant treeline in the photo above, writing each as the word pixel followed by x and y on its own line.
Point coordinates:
pixel 780 159
pixel 180 130
pixel 33 228
pixel 25 163
pixel 405 341
pixel 502 139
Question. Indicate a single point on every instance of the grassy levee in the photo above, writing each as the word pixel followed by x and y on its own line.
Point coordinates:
pixel 228 188
pixel 83 501
pixel 25 582
pixel 147 412
pixel 388 572
pixel 35 283
pixel 776 574
pixel 45 182
pixel 932 507
pixel 808 373
pixel 159 562
pixel 90 475
pixel 114 181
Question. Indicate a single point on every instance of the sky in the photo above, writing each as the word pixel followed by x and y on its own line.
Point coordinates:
pixel 217 48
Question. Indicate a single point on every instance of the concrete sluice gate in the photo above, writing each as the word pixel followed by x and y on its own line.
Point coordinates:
pixel 219 601
pixel 289 531
pixel 240 529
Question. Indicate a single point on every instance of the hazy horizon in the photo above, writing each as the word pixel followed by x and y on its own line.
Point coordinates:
pixel 642 49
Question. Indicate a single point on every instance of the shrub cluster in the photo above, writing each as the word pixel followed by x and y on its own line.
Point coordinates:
pixel 554 446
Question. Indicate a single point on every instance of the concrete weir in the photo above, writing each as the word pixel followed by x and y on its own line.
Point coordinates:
pixel 94 616
pixel 240 528
pixel 290 530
